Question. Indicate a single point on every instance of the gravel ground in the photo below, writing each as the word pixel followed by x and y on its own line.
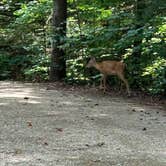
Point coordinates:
pixel 42 127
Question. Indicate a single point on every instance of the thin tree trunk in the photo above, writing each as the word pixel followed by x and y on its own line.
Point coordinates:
pixel 58 63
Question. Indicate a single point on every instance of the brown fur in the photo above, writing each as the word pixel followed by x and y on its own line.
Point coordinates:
pixel 109 68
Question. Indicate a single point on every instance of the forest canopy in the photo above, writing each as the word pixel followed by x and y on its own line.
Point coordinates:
pixel 130 30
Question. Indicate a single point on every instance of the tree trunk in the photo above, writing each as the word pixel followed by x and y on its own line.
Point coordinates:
pixel 139 17
pixel 58 63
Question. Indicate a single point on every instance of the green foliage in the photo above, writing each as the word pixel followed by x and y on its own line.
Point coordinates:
pixel 33 12
pixel 13 66
pixel 23 39
pixel 4 61
pixel 155 74
pixel 129 30
pixel 119 35
pixel 38 72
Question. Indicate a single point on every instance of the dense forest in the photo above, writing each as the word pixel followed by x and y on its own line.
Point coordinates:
pixel 130 30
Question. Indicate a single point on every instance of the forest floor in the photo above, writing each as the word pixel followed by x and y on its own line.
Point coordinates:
pixel 52 125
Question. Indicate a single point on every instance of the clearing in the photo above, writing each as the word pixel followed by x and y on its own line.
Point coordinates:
pixel 42 126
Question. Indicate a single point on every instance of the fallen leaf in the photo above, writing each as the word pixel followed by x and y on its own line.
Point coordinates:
pixel 17 151
pixel 59 129
pixel 96 161
pixel 29 124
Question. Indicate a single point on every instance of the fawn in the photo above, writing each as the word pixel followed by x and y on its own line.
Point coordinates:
pixel 109 68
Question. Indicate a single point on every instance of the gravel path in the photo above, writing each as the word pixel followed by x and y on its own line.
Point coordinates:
pixel 41 127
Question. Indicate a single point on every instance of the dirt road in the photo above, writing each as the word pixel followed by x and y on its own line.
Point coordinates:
pixel 41 127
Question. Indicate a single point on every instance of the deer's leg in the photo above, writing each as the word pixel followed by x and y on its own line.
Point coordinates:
pixel 101 82
pixel 121 76
pixel 104 82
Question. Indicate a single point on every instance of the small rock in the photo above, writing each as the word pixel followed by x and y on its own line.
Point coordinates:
pixel 100 144
pixel 45 143
pixel 133 110
pixel 147 113
pixel 144 129
pixel 59 129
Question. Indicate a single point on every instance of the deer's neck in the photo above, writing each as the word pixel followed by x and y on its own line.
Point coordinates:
pixel 97 66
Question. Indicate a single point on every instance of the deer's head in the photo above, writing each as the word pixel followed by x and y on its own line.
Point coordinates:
pixel 91 62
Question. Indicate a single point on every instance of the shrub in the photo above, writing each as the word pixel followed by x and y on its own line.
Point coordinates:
pixel 155 74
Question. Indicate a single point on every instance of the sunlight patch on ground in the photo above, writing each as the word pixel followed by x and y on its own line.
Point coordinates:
pixel 1 104
pixel 14 93
pixel 29 101
pixel 67 103
pixel 16 159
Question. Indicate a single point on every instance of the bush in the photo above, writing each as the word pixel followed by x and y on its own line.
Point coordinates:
pixel 38 72
pixel 155 74
pixel 4 66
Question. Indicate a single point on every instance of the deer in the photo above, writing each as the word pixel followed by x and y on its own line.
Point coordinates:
pixel 109 67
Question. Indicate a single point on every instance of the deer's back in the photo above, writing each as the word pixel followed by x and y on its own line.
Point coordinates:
pixel 111 67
